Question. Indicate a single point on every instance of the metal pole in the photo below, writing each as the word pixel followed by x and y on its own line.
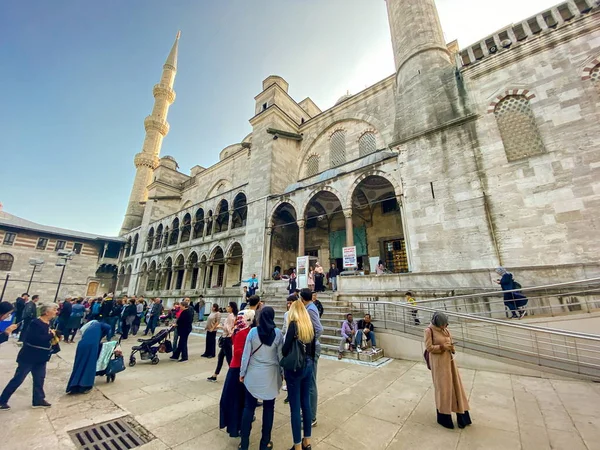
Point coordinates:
pixel 31 278
pixel 60 281
pixel 4 287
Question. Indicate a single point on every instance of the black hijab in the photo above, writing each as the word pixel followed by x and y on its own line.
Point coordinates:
pixel 266 325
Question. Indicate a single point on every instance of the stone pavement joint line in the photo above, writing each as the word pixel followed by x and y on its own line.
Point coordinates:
pixel 360 407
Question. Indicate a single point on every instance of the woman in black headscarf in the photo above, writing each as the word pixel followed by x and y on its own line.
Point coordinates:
pixel 261 374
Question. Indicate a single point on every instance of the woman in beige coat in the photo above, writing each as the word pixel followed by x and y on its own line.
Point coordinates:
pixel 449 392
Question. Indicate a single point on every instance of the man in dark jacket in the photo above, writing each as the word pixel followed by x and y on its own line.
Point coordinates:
pixel 332 275
pixel 63 317
pixel 184 328
pixel 29 314
pixel 19 305
pixel 107 315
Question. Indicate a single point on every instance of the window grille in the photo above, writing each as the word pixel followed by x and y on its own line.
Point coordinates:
pixel 518 129
pixel 367 144
pixel 337 148
pixel 595 74
pixel 312 166
pixel 41 244
pixel 9 238
pixel 6 261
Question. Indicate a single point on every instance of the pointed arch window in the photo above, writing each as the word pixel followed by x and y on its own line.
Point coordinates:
pixel 312 165
pixel 518 128
pixel 367 144
pixel 337 148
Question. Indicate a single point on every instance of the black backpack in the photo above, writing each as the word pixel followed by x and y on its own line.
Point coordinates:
pixel 319 306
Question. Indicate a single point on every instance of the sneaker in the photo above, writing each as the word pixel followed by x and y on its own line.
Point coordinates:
pixel 183 360
pixel 172 358
pixel 4 407
pixel 359 350
pixel 340 356
pixel 44 405
pixel 314 423
pixel 212 379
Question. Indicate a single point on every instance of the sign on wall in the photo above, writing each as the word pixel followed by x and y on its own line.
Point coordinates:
pixel 349 257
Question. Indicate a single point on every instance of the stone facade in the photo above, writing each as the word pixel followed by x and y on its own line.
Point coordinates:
pixel 460 161
pixel 91 272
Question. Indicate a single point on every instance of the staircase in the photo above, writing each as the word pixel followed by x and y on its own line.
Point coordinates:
pixel 334 315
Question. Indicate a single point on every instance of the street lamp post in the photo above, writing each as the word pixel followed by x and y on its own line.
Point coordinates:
pixel 35 263
pixel 5 283
pixel 64 256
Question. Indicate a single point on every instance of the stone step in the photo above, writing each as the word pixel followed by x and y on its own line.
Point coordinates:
pixel 366 355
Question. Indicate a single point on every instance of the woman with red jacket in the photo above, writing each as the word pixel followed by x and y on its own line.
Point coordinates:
pixel 232 397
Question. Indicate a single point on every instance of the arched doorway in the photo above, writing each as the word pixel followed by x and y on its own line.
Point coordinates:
pixel 325 227
pixel 284 239
pixel 375 209
pixel 179 269
pixel 92 289
pixel 217 268
pixel 168 273
pixel 193 270
pixel 234 265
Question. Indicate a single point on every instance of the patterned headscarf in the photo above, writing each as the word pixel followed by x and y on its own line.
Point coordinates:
pixel 244 320
pixel 501 271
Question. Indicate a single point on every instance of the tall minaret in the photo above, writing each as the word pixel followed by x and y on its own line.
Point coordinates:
pixel 427 94
pixel 157 128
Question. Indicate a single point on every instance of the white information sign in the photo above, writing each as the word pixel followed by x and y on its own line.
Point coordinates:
pixel 349 257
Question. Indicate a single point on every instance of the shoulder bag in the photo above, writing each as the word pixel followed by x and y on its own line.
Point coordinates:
pixel 426 352
pixel 296 358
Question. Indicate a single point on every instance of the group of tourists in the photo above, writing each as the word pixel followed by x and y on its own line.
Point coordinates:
pixel 262 356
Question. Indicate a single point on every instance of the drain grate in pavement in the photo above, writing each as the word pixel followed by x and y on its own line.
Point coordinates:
pixel 119 434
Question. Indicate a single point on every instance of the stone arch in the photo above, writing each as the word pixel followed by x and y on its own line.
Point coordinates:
pixel 278 204
pixel 213 251
pixel 229 248
pixel 520 91
pixel 186 204
pixel 314 192
pixel 219 187
pixel 397 186
pixel 590 64
pixel 179 254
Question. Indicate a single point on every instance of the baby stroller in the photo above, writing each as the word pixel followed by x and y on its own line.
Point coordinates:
pixel 149 348
pixel 110 361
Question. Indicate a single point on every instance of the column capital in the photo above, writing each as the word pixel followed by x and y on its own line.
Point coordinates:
pixel 269 231
pixel 348 213
pixel 301 223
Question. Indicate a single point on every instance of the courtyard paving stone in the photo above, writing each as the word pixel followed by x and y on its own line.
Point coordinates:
pixel 360 407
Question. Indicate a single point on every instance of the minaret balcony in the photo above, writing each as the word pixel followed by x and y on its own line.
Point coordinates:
pixel 152 123
pixel 145 160
pixel 162 90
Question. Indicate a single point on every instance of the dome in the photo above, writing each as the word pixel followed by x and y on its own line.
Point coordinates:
pixel 343 98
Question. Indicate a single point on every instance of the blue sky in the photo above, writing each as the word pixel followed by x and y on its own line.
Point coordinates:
pixel 77 83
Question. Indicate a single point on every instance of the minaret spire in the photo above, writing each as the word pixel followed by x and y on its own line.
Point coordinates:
pixel 157 127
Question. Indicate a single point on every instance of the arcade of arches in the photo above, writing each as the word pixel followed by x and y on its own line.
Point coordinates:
pixel 324 229
pixel 220 270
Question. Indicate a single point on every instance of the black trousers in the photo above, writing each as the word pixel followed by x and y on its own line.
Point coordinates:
pixel 135 326
pixel 211 343
pixel 38 373
pixel 182 349
pixel 125 329
pixel 225 352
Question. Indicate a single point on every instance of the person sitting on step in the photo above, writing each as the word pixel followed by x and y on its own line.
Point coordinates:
pixel 348 335
pixel 366 332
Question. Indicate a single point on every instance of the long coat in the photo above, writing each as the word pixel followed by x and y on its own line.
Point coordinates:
pixel 88 349
pixel 449 392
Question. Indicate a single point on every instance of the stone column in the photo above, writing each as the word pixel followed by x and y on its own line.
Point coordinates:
pixel 209 275
pixel 225 270
pixel 230 223
pixel 104 250
pixel 267 253
pixel 214 224
pixel 349 228
pixel 301 223
pixel 186 270
pixel 205 228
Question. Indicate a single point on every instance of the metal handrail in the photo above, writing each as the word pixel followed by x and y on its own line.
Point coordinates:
pixel 559 350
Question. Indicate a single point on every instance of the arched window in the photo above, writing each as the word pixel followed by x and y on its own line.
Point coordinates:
pixel 337 148
pixel 199 224
pixel 187 228
pixel 6 261
pixel 222 217
pixel 518 129
pixel 240 211
pixel 159 232
pixel 367 144
pixel 128 247
pixel 150 239
pixel 312 165
pixel 174 236
pixel 136 238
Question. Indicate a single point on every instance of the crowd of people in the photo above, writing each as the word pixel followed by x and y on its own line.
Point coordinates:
pixel 260 356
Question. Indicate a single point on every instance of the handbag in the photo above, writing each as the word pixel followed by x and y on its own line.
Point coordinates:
pixel 296 358
pixel 115 365
pixel 166 347
pixel 426 352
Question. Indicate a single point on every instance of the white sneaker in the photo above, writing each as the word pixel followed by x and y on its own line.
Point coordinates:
pixel 359 350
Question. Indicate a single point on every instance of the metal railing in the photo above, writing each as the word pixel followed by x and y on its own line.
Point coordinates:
pixel 548 300
pixel 558 350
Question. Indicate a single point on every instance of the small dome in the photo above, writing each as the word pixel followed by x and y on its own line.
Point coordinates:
pixel 343 98
pixel 169 161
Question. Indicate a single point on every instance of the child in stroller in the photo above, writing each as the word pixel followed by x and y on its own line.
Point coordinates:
pixel 110 361
pixel 149 348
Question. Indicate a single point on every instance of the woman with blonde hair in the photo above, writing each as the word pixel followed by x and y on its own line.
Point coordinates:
pixel 300 345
